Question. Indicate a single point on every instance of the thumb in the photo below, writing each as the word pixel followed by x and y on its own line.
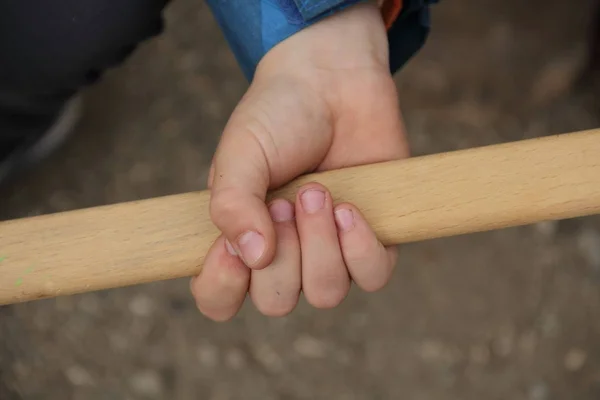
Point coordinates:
pixel 268 141
pixel 237 207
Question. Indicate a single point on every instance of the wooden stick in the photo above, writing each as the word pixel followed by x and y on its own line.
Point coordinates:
pixel 420 198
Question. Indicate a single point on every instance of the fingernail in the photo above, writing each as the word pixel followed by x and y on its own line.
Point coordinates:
pixel 252 247
pixel 312 200
pixel 281 211
pixel 230 248
pixel 344 219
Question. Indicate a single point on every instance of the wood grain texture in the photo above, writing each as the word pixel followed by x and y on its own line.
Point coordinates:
pixel 420 198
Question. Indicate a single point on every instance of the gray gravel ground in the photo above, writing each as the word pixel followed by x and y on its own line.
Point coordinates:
pixel 511 314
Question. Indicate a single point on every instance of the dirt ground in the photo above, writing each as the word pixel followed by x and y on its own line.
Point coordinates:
pixel 511 314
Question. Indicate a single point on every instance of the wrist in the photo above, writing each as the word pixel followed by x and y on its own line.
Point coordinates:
pixel 350 39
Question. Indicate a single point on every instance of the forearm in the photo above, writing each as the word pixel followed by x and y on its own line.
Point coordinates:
pixel 254 27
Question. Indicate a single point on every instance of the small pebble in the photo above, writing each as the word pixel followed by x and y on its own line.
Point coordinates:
pixel 539 391
pixel 343 357
pixel 214 108
pixel 64 304
pixel 118 341
pixel 549 324
pixel 479 354
pixel 547 229
pixel 268 357
pixel 220 394
pixel 60 201
pixel 208 355
pixel 452 355
pixel 89 303
pixel 359 319
pixel 557 77
pixel 21 369
pixel 78 376
pixel 141 305
pixel 431 350
pixel 575 359
pixel 501 37
pixel 235 359
pixel 146 383
pixel 140 173
pixel 503 345
pixel 189 61
pixel 432 78
pixel 588 242
pixel 528 343
pixel 310 347
pixel 158 355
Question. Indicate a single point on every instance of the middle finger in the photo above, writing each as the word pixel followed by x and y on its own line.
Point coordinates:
pixel 325 279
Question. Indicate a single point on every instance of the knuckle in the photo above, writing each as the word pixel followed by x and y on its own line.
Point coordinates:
pixel 228 282
pixel 374 283
pixel 327 296
pixel 224 204
pixel 232 277
pixel 217 309
pixel 373 274
pixel 368 263
pixel 325 300
pixel 217 316
pixel 213 313
pixel 272 306
pixel 360 245
pixel 360 252
pixel 219 295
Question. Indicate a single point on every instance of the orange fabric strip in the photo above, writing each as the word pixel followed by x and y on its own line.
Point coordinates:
pixel 390 9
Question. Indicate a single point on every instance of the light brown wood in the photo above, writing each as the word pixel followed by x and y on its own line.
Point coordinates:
pixel 420 198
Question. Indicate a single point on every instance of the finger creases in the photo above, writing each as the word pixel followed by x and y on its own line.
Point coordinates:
pixel 369 263
pixel 325 280
pixel 237 205
pixel 275 289
pixel 244 219
pixel 221 287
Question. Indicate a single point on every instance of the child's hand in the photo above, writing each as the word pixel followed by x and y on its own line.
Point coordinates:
pixel 323 99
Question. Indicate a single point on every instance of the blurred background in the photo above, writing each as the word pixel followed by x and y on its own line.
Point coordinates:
pixel 509 314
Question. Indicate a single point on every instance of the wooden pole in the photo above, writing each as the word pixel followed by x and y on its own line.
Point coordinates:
pixel 410 200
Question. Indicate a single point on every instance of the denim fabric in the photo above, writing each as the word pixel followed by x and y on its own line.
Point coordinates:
pixel 311 9
pixel 253 27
